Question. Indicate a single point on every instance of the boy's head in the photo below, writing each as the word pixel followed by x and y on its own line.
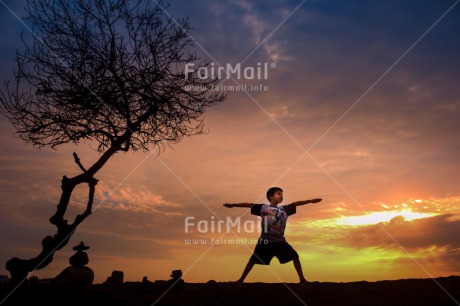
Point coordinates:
pixel 275 192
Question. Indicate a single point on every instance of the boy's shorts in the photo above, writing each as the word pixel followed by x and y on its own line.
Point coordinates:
pixel 264 252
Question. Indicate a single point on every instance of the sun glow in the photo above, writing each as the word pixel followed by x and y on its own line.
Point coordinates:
pixel 382 216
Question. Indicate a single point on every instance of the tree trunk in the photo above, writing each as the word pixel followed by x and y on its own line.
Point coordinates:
pixel 19 268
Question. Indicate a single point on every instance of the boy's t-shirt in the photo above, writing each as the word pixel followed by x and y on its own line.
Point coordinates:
pixel 273 220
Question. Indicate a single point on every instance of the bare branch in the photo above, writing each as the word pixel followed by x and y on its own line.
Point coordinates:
pixel 96 71
pixel 77 160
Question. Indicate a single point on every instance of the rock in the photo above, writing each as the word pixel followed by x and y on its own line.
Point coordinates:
pixel 176 284
pixel 145 281
pixel 176 274
pixel 116 279
pixel 81 247
pixel 75 281
pixel 79 259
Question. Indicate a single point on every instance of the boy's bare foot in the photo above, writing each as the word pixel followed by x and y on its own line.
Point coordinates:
pixel 240 281
pixel 303 281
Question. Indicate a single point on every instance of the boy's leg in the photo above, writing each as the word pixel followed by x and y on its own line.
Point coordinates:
pixel 298 268
pixel 286 253
pixel 247 269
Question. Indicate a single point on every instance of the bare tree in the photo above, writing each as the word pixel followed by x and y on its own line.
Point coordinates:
pixel 107 71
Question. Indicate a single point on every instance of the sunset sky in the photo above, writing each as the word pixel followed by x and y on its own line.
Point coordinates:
pixel 362 109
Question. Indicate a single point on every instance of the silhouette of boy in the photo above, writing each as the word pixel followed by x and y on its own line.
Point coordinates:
pixel 272 242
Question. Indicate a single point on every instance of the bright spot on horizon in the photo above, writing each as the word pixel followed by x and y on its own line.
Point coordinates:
pixel 382 216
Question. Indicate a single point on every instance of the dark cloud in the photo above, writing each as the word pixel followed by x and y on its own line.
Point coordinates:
pixel 440 230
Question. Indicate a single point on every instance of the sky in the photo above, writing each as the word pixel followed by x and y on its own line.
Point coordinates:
pixel 360 108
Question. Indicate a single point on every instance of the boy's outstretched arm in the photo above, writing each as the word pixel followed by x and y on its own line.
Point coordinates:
pixel 298 203
pixel 237 205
